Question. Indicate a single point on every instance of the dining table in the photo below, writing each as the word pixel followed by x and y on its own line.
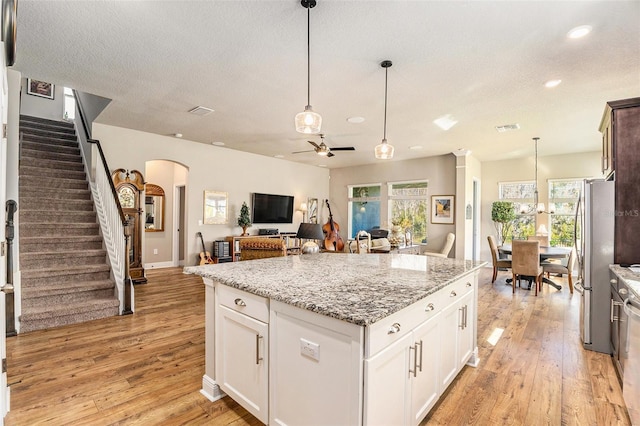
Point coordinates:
pixel 546 253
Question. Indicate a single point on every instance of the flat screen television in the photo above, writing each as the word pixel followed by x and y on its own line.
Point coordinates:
pixel 269 208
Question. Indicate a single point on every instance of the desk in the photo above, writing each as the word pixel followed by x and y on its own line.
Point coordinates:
pixel 545 253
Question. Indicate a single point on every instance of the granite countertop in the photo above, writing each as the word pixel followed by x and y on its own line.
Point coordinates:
pixel 360 289
pixel 631 278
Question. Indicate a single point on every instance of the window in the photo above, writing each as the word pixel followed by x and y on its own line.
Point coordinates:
pixel 364 208
pixel 563 195
pixel 69 112
pixel 522 195
pixel 408 208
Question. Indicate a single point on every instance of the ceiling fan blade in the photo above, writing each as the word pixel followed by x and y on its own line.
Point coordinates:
pixel 315 145
pixel 343 148
pixel 300 152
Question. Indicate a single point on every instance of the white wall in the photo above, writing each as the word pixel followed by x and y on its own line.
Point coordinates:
pixel 580 165
pixel 440 171
pixel 217 169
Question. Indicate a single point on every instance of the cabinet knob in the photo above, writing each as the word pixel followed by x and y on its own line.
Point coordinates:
pixel 453 294
pixel 623 292
pixel 613 281
pixel 240 302
pixel 395 328
pixel 429 307
pixel 469 284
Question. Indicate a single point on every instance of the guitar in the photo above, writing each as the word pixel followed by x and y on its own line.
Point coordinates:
pixel 205 256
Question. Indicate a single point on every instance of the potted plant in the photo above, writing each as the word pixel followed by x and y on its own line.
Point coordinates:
pixel 503 213
pixel 244 220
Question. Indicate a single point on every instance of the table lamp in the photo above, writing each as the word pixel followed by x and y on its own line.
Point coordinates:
pixel 310 231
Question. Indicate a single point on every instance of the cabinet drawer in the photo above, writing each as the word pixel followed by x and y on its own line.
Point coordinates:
pixel 240 301
pixel 392 328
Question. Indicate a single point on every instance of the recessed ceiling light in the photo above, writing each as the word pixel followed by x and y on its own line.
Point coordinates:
pixel 355 120
pixel 177 135
pixel 217 143
pixel 416 147
pixel 279 156
pixel 552 83
pixel 322 165
pixel 445 122
pixel 579 32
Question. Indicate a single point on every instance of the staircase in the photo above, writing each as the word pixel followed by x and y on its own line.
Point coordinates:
pixel 65 277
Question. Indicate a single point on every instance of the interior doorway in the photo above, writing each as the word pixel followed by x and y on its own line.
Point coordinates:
pixel 476 220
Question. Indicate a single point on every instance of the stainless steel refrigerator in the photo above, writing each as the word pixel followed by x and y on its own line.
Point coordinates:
pixel 595 216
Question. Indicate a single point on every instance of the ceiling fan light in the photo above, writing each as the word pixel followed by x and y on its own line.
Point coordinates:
pixel 384 151
pixel 308 121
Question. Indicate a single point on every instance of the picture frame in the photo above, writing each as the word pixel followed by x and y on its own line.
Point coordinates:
pixel 215 208
pixel 40 88
pixel 443 209
pixel 312 210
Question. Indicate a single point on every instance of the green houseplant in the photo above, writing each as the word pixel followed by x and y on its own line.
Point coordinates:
pixel 503 213
pixel 244 220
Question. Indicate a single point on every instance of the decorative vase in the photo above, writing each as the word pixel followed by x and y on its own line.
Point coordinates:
pixel 397 235
pixel 244 231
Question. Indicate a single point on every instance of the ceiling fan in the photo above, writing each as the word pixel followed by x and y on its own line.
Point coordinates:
pixel 324 150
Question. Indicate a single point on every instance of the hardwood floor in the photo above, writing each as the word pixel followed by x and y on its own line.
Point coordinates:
pixel 147 368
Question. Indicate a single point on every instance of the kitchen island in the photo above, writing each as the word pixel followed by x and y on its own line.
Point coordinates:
pixel 338 338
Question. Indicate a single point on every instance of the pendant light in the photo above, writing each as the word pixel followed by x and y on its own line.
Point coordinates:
pixel 308 121
pixel 538 207
pixel 384 151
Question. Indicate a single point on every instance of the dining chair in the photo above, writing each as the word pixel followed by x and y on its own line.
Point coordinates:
pixel 562 267
pixel 495 257
pixel 525 262
pixel 363 242
pixel 544 240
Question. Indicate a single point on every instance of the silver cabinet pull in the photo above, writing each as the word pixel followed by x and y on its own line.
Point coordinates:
pixel 453 294
pixel 258 357
pixel 395 328
pixel 613 281
pixel 240 302
pixel 623 292
pixel 465 312
pixel 613 305
pixel 461 323
pixel 469 284
pixel 415 360
pixel 429 307
pixel 419 344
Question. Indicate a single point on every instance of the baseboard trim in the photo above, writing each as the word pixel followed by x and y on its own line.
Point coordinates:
pixel 159 265
pixel 210 389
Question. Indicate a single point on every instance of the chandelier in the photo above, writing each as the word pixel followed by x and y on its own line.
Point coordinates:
pixel 538 207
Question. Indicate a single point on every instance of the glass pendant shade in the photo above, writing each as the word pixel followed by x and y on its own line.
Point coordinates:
pixel 384 151
pixel 308 122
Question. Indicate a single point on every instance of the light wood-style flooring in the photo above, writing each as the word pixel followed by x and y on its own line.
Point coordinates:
pixel 147 368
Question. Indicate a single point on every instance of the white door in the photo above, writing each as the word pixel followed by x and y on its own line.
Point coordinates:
pixel 4 394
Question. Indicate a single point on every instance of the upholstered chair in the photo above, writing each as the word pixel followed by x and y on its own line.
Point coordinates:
pixel 562 267
pixel 261 248
pixel 525 262
pixel 446 248
pixel 363 242
pixel 495 257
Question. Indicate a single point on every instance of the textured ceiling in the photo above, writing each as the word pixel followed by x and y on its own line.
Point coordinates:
pixel 483 62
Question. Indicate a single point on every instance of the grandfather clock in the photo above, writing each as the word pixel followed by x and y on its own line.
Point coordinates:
pixel 129 186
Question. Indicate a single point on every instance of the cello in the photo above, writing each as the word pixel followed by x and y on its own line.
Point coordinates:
pixel 332 240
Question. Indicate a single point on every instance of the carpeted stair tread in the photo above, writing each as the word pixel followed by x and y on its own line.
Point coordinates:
pixel 64 271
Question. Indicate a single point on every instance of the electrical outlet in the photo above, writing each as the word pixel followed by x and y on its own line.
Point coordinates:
pixel 200 222
pixel 155 251
pixel 310 349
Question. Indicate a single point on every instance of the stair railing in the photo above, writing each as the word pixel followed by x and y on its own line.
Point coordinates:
pixel 116 226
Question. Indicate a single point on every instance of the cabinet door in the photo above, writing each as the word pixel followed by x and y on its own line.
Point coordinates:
pixel 465 331
pixel 241 360
pixel 450 322
pixel 386 378
pixel 425 385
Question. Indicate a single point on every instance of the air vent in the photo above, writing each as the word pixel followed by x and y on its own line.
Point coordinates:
pixel 200 110
pixel 507 128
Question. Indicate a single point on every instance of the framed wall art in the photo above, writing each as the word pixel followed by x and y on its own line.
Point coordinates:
pixel 215 208
pixel 40 88
pixel 443 209
pixel 312 209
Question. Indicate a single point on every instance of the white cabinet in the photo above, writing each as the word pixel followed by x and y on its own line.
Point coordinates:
pixel 424 385
pixel 457 344
pixel 242 343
